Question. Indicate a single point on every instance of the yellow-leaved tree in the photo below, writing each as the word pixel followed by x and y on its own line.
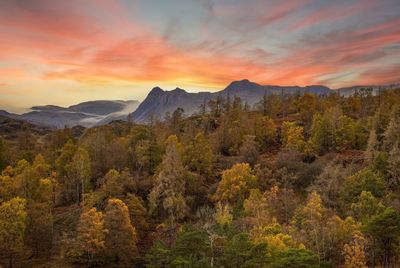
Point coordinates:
pixel 121 236
pixel 91 234
pixel 236 183
pixel 12 227
pixel 354 254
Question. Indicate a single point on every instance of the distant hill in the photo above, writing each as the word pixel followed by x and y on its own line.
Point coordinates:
pixel 11 128
pixel 86 114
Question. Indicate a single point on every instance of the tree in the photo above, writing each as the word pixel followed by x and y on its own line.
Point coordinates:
pixel 354 254
pixel 328 183
pixel 372 146
pixel 364 180
pixel 39 227
pixel 310 220
pixel 80 171
pixel 167 195
pixel 249 150
pixel 198 156
pixel 384 228
pixel 90 236
pixel 299 258
pixel 240 252
pixel 137 214
pixel 121 237
pixel 12 227
pixel 236 183
pixel 191 248
pixel 392 133
pixel 256 208
pixel 3 155
pixel 393 167
pixel 366 207
pixel 264 131
pixel 307 104
pixel 116 184
pixel 223 214
pixel 293 136
pixel 67 181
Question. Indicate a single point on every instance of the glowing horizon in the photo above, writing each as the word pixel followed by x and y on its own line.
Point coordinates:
pixel 65 52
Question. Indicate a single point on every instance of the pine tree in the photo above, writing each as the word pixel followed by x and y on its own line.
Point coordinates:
pixel 167 195
pixel 121 237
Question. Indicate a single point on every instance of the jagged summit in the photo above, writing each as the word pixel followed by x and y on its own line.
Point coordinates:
pixel 156 90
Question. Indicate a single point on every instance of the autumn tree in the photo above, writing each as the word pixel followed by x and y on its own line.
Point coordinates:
pixel 307 105
pixel 167 195
pixel 223 215
pixel 90 236
pixel 39 227
pixel 116 184
pixel 393 167
pixel 3 156
pixel 137 214
pixel 121 237
pixel 265 132
pixel 328 183
pixel 391 134
pixel 310 220
pixel 12 227
pixel 293 136
pixel 80 172
pixel 354 254
pixel 236 183
pixel 248 151
pixel 198 155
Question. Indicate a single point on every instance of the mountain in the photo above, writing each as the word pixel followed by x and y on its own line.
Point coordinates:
pixel 159 102
pixel 12 128
pixel 85 114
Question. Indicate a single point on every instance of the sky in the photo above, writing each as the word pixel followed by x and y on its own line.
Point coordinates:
pixel 65 52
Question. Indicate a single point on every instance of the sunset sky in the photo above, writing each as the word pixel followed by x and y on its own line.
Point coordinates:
pixel 67 51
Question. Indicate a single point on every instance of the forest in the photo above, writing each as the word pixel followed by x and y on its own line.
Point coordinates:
pixel 299 180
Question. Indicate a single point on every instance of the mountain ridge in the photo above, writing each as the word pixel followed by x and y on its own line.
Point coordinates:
pixel 159 102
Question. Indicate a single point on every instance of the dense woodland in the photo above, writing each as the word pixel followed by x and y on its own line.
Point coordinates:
pixel 296 181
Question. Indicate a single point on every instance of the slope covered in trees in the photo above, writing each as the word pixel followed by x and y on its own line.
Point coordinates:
pixel 295 181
